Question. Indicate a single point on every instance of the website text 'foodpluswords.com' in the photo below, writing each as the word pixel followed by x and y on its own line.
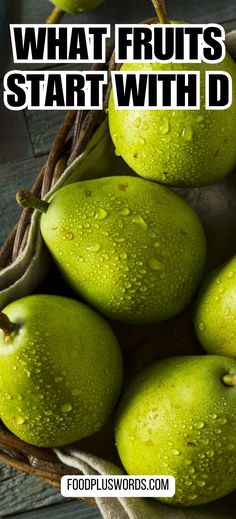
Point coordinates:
pixel 118 486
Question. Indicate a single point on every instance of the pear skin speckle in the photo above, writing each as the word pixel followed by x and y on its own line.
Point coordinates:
pixel 138 249
pixel 215 317
pixel 71 393
pixel 178 147
pixel 172 419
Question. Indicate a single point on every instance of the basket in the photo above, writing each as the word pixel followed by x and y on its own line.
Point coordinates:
pixel 177 336
pixel 71 140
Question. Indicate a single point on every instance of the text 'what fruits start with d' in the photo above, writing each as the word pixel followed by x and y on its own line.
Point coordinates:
pixel 177 45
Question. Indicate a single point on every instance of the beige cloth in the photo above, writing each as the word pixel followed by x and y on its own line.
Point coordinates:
pixel 24 275
pixel 139 508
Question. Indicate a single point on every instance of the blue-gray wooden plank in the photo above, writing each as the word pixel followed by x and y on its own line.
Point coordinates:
pixel 13 176
pixel 19 492
pixel 14 136
pixel 62 511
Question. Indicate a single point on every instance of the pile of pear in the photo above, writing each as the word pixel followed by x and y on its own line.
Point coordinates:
pixel 133 251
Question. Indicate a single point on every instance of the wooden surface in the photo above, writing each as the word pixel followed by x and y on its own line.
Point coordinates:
pixel 25 138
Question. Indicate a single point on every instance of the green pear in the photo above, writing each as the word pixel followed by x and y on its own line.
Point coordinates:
pixel 76 6
pixel 215 313
pixel 178 417
pixel 133 249
pixel 60 370
pixel 178 147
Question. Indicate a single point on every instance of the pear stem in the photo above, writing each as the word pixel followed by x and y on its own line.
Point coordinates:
pixel 27 199
pixel 6 325
pixel 230 380
pixel 160 10
pixel 55 16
